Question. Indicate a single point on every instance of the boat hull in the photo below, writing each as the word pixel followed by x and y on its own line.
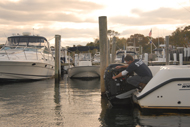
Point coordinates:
pixel 25 70
pixel 125 99
pixel 84 72
pixel 173 95
pixel 168 89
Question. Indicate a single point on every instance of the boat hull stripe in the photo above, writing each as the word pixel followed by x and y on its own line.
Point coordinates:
pixel 26 74
pixel 162 84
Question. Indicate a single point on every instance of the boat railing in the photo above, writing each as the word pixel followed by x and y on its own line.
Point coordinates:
pixel 37 50
pixel 7 55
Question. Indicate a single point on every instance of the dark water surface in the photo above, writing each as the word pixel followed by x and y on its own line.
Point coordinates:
pixel 74 103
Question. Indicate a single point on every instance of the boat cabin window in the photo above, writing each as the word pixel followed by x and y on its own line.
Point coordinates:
pixel 46 50
pixel 120 55
pixel 84 57
pixel 27 41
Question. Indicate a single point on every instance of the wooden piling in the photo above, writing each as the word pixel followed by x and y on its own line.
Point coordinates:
pixel 103 50
pixel 57 58
pixel 113 49
pixel 167 49
pixel 108 51
pixel 180 59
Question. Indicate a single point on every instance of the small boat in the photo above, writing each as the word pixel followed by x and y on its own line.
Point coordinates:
pixel 168 89
pixel 83 67
pixel 26 57
pixel 121 53
pixel 96 59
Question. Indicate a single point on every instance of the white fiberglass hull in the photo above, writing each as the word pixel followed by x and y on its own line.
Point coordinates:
pixel 84 72
pixel 168 89
pixel 25 70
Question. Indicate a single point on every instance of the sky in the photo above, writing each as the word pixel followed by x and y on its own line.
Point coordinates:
pixel 77 20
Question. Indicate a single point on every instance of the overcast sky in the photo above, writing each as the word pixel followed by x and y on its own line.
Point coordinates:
pixel 77 20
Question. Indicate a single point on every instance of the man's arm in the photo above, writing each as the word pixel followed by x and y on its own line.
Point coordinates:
pixel 125 66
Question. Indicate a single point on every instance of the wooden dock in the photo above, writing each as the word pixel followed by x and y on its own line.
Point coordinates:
pixel 153 63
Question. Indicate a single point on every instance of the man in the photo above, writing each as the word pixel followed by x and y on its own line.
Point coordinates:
pixel 141 69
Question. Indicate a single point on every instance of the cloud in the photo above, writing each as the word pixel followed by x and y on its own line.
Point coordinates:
pixel 70 36
pixel 77 20
pixel 49 5
pixel 46 10
pixel 38 17
pixel 155 17
pixel 48 18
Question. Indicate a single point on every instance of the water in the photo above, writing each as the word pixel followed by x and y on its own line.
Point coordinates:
pixel 73 103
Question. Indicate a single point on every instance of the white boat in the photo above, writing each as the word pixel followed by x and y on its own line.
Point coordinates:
pixel 168 89
pixel 62 53
pixel 121 53
pixel 26 57
pixel 83 67
pixel 96 59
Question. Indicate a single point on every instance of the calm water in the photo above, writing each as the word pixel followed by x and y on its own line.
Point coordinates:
pixel 73 103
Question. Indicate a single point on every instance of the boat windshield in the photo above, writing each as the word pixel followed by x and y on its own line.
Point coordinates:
pixel 27 41
pixel 120 55
pixel 84 56
pixel 97 57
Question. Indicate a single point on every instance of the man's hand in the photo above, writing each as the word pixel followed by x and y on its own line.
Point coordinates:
pixel 117 67
pixel 114 77
pixel 117 76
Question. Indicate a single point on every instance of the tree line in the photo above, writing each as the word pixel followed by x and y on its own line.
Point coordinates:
pixel 179 38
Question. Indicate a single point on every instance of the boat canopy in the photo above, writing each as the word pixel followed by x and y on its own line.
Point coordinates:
pixel 82 48
pixel 119 52
pixel 158 49
pixel 27 41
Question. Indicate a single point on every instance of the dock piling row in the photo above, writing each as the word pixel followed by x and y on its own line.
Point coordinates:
pixel 103 50
pixel 57 58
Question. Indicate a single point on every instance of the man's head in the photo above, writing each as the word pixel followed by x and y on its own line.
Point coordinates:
pixel 129 59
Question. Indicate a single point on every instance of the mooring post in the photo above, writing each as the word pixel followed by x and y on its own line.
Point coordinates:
pixel 175 57
pixel 167 49
pixel 108 51
pixel 57 58
pixel 180 59
pixel 66 55
pixel 103 50
pixel 113 49
pixel 146 58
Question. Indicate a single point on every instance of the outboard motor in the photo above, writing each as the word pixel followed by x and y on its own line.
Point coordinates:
pixel 118 91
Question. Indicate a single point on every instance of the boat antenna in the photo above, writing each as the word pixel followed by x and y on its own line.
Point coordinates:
pixel 5 35
pixel 7 39
pixel 51 39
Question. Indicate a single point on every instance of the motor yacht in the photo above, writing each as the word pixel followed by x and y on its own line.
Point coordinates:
pixel 26 57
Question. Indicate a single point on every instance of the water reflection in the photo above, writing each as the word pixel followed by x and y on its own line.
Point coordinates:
pixel 74 103
pixel 26 103
pixel 136 117
pixel 165 118
pixel 81 102
pixel 118 117
pixel 92 84
pixel 58 112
